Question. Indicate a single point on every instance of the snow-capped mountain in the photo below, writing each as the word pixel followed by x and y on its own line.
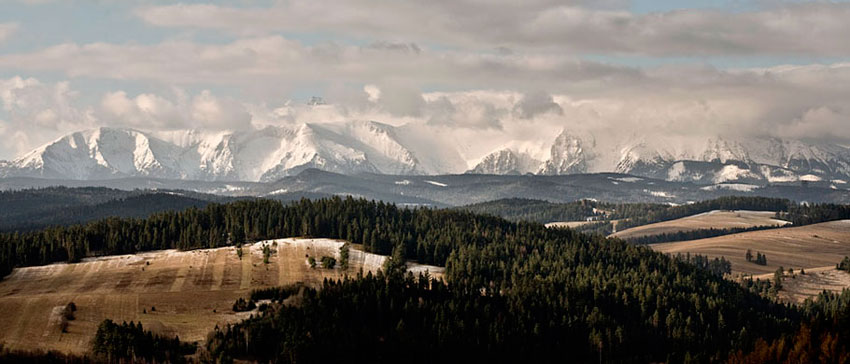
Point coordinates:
pixel 716 160
pixel 569 155
pixel 265 154
pixel 273 152
pixel 506 161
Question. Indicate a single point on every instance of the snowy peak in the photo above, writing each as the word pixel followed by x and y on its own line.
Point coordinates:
pixel 95 154
pixel 568 155
pixel 507 162
pixel 263 154
pixel 274 152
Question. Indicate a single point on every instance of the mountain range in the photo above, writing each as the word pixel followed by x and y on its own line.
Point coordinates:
pixel 274 152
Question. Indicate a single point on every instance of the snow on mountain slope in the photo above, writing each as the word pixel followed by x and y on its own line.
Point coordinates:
pixel 506 161
pixel 99 154
pixel 263 154
pixel 570 154
pixel 274 152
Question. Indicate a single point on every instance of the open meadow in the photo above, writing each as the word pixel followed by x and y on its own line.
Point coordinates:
pixel 713 219
pixel 184 293
pixel 810 246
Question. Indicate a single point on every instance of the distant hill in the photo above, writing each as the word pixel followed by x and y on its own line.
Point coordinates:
pixel 465 189
pixel 39 208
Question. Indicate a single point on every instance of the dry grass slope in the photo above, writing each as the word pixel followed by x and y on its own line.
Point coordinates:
pixel 811 246
pixel 713 219
pixel 191 292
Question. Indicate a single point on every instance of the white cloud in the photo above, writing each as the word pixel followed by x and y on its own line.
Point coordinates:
pixel 38 112
pixel 274 60
pixel 145 111
pixel 780 28
pixel 211 112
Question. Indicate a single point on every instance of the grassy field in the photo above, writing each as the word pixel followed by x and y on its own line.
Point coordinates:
pixel 713 219
pixel 811 246
pixel 798 287
pixel 170 292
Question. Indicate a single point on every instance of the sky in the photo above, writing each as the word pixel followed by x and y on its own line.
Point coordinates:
pixel 504 70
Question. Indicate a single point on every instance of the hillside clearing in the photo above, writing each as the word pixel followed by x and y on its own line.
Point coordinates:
pixel 798 287
pixel 716 219
pixel 171 292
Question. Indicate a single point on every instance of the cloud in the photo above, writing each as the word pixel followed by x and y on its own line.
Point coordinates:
pixel 38 112
pixel 274 60
pixel 782 28
pixel 820 123
pixel 7 30
pixel 211 112
pixel 536 103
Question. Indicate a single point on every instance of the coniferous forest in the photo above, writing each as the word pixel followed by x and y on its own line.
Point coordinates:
pixel 512 290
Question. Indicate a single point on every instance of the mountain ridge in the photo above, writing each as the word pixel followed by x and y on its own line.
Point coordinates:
pixel 274 152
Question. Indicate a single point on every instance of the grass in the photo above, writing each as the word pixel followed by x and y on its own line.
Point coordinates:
pixel 713 219
pixel 192 291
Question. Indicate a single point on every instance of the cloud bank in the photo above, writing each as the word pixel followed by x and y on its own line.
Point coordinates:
pixel 485 74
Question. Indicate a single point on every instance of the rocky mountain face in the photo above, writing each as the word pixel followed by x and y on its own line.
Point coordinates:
pixel 717 160
pixel 275 152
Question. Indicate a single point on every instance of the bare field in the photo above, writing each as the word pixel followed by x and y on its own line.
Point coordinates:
pixel 170 292
pixel 713 219
pixel 808 247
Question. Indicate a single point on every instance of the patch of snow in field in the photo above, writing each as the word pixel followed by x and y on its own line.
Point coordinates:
pixel 404 182
pixel 615 182
pixel 810 178
pixel 732 173
pixel 839 181
pixel 675 172
pixel 743 187
pixel 773 179
pixel 435 183
pixel 626 179
pixel 226 188
pixel 330 247
pixel 659 194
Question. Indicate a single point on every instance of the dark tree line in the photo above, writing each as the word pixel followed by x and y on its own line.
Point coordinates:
pixel 34 209
pixel 425 235
pixel 522 209
pixel 642 214
pixel 131 342
pixel 631 214
pixel 717 266
pixel 693 234
pixel 806 214
pixel 518 291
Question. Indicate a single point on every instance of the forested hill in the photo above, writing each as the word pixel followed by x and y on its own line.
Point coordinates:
pixel 33 209
pixel 513 291
pixel 517 209
pixel 522 209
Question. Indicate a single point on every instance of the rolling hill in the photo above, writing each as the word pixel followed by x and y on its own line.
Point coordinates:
pixel 810 246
